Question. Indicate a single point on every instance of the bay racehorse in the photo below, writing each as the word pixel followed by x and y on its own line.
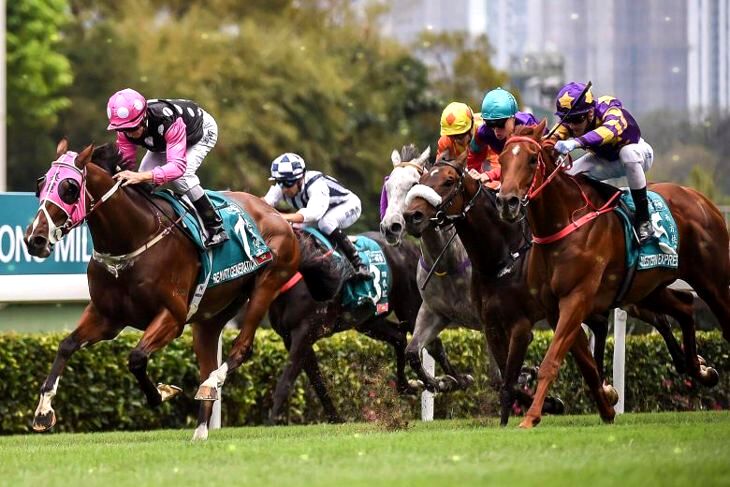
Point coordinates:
pixel 579 269
pixel 498 251
pixel 145 271
pixel 301 321
pixel 446 298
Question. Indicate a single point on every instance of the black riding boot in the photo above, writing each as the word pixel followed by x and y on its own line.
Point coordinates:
pixel 345 246
pixel 212 222
pixel 644 229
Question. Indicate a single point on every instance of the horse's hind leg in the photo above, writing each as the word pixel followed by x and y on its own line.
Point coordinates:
pixel 665 300
pixel 717 298
pixel 427 328
pixel 661 323
pixel 518 343
pixel 389 332
pixel 163 329
pixel 599 326
pixel 91 329
pixel 311 367
pixel 205 345
pixel 297 348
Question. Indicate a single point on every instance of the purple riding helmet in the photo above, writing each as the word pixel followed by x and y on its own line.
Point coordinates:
pixel 568 95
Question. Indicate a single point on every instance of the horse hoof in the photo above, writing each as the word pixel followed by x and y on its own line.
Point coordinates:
pixel 609 416
pixel 200 433
pixel 553 405
pixel 468 380
pixel 611 394
pixel 206 393
pixel 529 423
pixel 415 384
pixel 168 391
pixel 701 360
pixel 709 376
pixel 44 421
pixel 447 383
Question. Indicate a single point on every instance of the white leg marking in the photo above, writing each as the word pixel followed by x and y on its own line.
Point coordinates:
pixel 200 433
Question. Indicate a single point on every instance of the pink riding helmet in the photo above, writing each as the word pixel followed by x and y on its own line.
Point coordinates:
pixel 125 109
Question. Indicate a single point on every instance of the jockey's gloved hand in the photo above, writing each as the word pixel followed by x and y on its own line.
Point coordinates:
pixel 566 146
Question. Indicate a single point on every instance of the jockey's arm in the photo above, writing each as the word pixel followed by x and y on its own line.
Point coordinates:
pixel 176 152
pixel 128 150
pixel 319 202
pixel 274 195
pixel 613 125
pixel 561 133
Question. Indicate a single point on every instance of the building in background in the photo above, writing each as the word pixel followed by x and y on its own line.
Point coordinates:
pixel 708 67
pixel 406 19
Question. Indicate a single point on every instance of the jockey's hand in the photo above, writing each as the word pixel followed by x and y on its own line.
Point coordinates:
pixel 133 177
pixel 293 217
pixel 474 173
pixel 566 146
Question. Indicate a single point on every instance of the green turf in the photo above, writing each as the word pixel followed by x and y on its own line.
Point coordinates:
pixel 640 449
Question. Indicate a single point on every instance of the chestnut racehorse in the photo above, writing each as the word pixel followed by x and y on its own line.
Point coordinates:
pixel 582 272
pixel 145 272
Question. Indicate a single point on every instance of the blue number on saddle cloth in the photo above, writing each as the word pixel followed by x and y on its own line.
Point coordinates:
pixel 245 252
pixel 665 234
pixel 372 292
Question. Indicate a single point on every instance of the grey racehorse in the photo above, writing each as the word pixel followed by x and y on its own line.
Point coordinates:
pixel 446 299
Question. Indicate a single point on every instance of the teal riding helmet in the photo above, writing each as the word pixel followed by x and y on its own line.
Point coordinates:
pixel 498 104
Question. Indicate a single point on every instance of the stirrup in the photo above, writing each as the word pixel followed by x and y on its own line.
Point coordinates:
pixel 216 238
pixel 644 231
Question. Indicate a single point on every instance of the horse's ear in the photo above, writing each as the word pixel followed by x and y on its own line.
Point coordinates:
pixel 423 158
pixel 395 157
pixel 84 156
pixel 540 129
pixel 62 147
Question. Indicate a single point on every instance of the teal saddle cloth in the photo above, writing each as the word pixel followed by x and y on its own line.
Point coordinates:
pixel 666 234
pixel 373 293
pixel 245 252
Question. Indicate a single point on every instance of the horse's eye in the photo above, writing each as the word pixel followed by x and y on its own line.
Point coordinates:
pixel 69 191
pixel 533 160
pixel 449 183
pixel 40 182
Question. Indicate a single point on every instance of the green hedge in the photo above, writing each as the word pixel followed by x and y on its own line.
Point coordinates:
pixel 97 392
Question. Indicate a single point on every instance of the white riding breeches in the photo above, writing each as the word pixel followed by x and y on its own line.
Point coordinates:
pixel 341 216
pixel 634 160
pixel 195 156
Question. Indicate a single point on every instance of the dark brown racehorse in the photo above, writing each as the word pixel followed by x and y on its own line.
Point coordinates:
pixel 145 272
pixel 581 273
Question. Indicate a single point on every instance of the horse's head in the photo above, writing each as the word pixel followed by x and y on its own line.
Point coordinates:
pixel 63 200
pixel 408 166
pixel 438 196
pixel 519 161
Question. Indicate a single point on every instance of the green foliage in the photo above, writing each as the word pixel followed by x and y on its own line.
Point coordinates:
pixel 97 392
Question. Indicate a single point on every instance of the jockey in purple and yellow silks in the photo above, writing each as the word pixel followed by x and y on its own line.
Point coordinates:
pixel 500 115
pixel 459 125
pixel 613 140
pixel 177 134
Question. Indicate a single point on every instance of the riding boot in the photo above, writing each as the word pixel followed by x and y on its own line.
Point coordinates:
pixel 345 246
pixel 212 222
pixel 644 229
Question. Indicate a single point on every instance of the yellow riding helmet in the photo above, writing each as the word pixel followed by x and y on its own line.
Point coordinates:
pixel 457 118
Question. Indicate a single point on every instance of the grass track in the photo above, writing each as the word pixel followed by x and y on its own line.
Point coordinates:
pixel 640 449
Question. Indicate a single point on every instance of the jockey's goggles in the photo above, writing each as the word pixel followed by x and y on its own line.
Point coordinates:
pixel 287 183
pixel 575 119
pixel 496 124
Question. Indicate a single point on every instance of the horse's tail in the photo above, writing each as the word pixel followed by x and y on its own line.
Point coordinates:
pixel 322 272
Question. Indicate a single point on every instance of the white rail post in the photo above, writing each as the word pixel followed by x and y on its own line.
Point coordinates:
pixel 619 356
pixel 215 418
pixel 426 396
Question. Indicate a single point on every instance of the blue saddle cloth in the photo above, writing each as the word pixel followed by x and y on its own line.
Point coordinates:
pixel 650 255
pixel 374 292
pixel 245 251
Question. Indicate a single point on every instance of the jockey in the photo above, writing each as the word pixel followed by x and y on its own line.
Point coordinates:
pixel 177 134
pixel 500 115
pixel 613 140
pixel 318 199
pixel 458 128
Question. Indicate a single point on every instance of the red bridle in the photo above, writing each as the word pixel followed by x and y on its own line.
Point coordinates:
pixel 561 165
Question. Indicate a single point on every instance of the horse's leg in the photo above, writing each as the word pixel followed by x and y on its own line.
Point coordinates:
pixel 300 343
pixel 665 300
pixel 205 345
pixel 264 292
pixel 599 326
pixel 518 343
pixel 572 311
pixel 717 298
pixel 661 323
pixel 386 331
pixel 311 367
pixel 91 329
pixel 165 327
pixel 428 326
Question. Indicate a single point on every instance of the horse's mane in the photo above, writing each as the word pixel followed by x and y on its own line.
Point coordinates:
pixel 409 152
pixel 108 157
pixel 321 271
pixel 525 130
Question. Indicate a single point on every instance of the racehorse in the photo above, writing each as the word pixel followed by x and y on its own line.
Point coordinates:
pixel 446 298
pixel 580 268
pixel 145 270
pixel 301 321
pixel 497 249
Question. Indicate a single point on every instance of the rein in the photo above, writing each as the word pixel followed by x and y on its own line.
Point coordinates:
pixel 561 165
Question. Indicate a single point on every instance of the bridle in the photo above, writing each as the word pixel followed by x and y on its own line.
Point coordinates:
pixel 441 218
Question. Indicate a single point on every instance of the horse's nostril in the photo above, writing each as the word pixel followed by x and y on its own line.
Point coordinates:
pixel 396 227
pixel 38 241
